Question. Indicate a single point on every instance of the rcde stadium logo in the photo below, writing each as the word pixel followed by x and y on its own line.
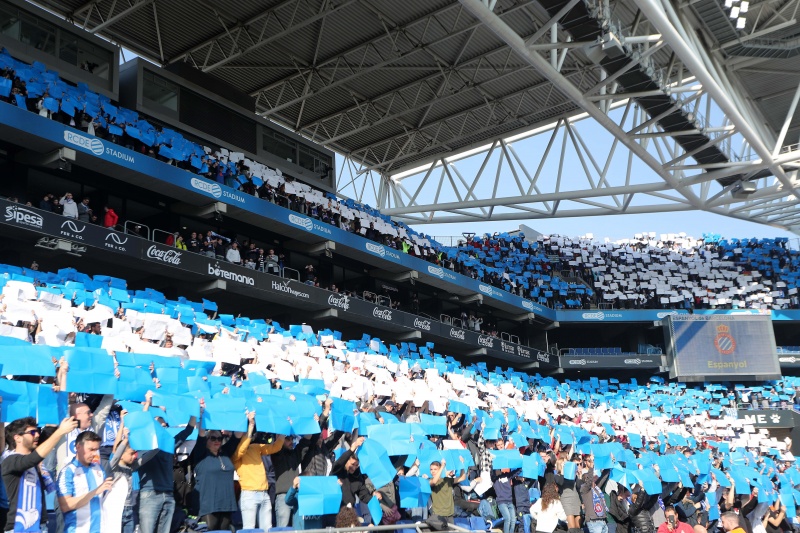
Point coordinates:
pixel 381 250
pixel 636 362
pixel 788 360
pixel 422 324
pixel 303 222
pixel 436 271
pixel 582 362
pixel 209 188
pixel 73 230
pixel 87 143
pixel 665 315
pixel 342 302
pixel 283 286
pixel 485 340
pixel 115 242
pixel 215 270
pixel 23 216
pixel 165 256
pixel 485 289
pixel 376 249
pixel 457 334
pixel 600 315
pixel 383 314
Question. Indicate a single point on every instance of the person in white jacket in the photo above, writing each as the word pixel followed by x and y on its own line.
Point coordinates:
pixel 547 510
pixel 70 206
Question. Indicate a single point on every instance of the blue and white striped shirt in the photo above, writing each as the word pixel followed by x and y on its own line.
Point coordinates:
pixel 76 480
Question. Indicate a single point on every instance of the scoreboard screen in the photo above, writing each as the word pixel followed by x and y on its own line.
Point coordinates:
pixel 714 347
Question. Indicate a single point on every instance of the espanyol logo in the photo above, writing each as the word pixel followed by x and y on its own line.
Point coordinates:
pixel 485 289
pixel 207 187
pixel 303 222
pixel 599 315
pixel 376 249
pixel 436 271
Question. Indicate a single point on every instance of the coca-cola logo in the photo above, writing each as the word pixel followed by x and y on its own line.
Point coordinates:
pixel 383 314
pixel 457 333
pixel 485 340
pixel 342 302
pixel 422 324
pixel 173 257
pixel 543 357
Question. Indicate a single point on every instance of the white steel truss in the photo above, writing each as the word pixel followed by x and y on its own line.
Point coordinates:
pixel 553 171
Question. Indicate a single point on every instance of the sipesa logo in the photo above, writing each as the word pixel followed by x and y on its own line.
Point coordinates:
pixel 207 187
pixel 87 143
pixel 23 216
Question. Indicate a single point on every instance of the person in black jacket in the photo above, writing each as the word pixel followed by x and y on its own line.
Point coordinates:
pixel 353 481
pixel 639 511
pixel 618 509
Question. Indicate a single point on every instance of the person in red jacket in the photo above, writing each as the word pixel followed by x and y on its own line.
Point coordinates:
pixel 111 218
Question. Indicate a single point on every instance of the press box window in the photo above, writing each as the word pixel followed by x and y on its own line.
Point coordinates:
pixel 160 91
pixel 316 162
pixel 281 146
pixel 85 55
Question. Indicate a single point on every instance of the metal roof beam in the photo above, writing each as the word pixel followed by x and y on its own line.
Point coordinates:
pixel 515 42
pixel 279 106
pixel 139 4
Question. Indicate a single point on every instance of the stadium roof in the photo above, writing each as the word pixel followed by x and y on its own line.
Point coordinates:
pixel 396 85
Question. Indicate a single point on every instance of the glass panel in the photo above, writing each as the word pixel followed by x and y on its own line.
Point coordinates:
pixel 281 146
pixel 94 59
pixel 38 34
pixel 9 23
pixel 160 91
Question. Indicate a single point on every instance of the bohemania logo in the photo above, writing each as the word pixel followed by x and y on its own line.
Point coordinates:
pixel 724 341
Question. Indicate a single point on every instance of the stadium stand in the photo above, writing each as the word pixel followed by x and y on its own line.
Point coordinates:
pixel 388 414
pixel 648 272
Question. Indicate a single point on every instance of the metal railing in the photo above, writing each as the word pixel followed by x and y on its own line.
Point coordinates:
pixel 285 269
pixel 133 223
pixel 446 319
pixel 419 527
pixel 369 297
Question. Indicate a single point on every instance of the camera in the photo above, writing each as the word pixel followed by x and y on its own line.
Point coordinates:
pixel 262 437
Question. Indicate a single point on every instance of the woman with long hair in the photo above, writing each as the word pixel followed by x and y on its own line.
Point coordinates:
pixel 547 511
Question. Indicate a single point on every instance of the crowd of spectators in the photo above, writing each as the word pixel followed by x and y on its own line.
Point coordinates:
pixel 644 272
pixel 175 398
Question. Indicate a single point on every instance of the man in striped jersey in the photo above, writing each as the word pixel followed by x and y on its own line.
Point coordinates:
pixel 81 485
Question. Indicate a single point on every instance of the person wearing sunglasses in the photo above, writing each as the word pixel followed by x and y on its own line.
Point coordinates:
pixel 213 470
pixel 22 475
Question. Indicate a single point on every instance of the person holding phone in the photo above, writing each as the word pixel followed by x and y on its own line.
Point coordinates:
pixel 673 524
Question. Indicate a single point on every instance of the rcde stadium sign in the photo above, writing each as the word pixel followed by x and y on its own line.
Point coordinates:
pixel 608 361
